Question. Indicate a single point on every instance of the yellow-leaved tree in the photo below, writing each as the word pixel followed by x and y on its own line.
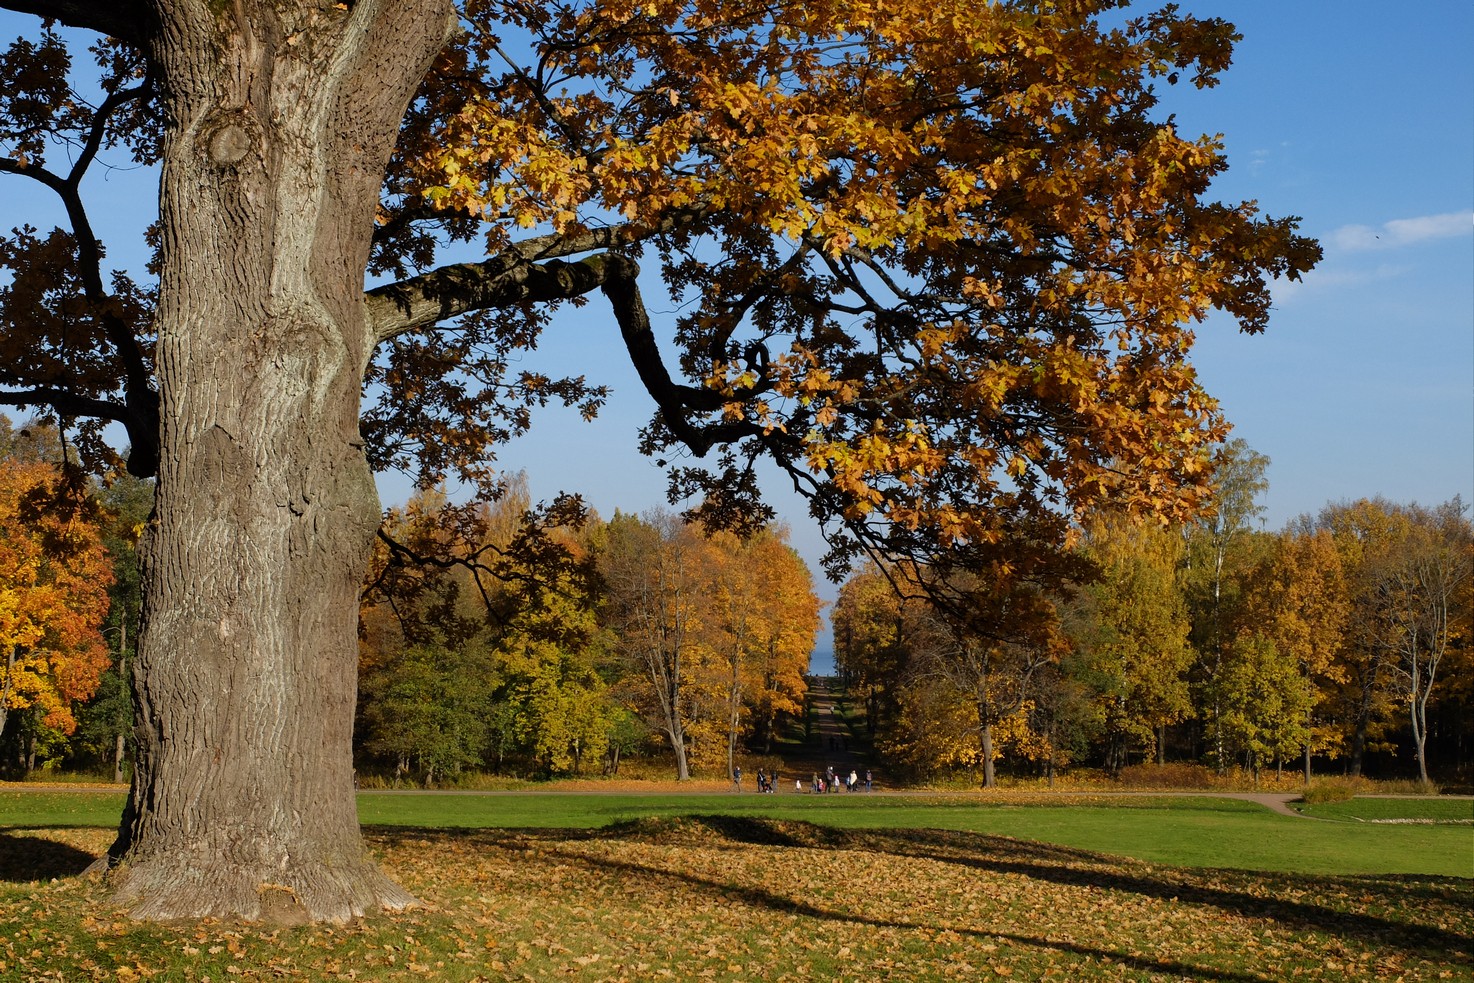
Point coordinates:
pixel 1138 649
pixel 1297 600
pixel 54 576
pixel 763 617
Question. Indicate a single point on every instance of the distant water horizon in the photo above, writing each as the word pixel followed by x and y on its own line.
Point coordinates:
pixel 821 661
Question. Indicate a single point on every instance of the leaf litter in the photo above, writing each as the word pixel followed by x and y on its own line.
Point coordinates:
pixel 727 898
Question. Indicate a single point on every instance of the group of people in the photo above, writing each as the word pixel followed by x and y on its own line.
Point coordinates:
pixel 766 782
pixel 830 782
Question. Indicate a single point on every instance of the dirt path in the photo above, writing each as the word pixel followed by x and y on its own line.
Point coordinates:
pixel 1273 801
pixel 829 744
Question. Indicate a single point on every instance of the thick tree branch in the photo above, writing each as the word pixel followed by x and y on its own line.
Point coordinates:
pixel 676 401
pixel 55 182
pixel 126 20
pixel 139 415
pixel 525 272
pixel 425 301
pixel 67 403
pixel 89 252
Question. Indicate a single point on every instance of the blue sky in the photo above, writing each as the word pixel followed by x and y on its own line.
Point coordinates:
pixel 1356 116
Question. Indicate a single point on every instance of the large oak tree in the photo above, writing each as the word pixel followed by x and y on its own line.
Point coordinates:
pixel 941 261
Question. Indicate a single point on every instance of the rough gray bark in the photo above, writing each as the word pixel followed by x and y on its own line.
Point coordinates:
pixel 985 748
pixel 280 120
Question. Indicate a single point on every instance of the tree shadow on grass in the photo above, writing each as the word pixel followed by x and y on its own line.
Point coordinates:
pixel 34 858
pixel 1440 890
pixel 759 898
pixel 1441 904
pixel 1226 890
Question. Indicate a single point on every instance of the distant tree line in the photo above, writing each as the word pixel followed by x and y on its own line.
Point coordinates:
pixel 540 640
pixel 1345 638
pixel 498 637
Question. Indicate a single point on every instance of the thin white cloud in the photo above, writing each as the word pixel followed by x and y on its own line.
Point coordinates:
pixel 1284 291
pixel 1401 231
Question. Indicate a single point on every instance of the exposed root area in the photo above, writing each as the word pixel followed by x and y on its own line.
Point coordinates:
pixel 168 889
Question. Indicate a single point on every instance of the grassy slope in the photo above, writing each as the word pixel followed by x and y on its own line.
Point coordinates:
pixel 1187 831
pixel 1200 832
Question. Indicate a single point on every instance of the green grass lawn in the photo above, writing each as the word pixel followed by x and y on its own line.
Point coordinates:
pixel 1392 808
pixel 1178 830
pixel 59 809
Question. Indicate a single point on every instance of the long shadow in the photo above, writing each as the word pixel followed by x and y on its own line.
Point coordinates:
pixel 767 832
pixel 760 898
pixel 32 858
pixel 1444 890
pixel 960 849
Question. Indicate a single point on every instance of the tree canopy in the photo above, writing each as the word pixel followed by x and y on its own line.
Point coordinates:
pixel 942 263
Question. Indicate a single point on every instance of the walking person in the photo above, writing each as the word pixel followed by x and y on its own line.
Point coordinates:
pixel 737 778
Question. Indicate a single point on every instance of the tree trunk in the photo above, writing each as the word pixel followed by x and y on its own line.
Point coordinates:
pixel 119 748
pixel 734 707
pixel 677 739
pixel 986 742
pixel 1420 742
pixel 281 118
pixel 7 686
pixel 1418 707
pixel 664 668
pixel 1359 731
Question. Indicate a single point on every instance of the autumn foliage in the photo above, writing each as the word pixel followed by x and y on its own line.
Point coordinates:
pixel 515 639
pixel 938 262
pixel 54 577
pixel 1345 635
pixel 942 264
